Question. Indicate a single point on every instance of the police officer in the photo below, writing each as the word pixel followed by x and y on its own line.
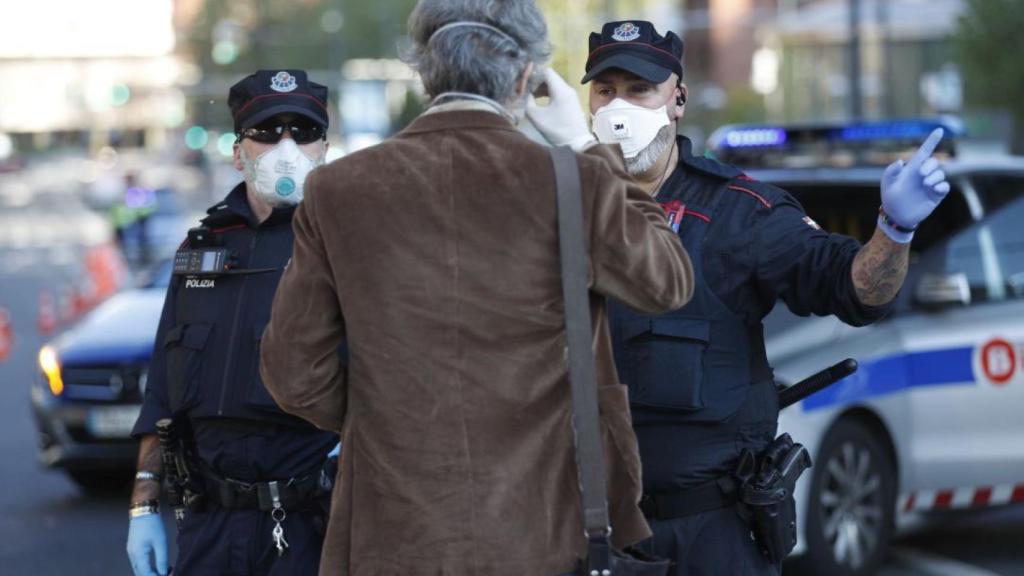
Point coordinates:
pixel 251 456
pixel 701 389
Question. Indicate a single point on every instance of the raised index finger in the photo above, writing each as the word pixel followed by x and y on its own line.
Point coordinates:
pixel 926 149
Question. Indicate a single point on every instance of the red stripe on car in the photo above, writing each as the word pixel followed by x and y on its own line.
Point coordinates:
pixel 982 496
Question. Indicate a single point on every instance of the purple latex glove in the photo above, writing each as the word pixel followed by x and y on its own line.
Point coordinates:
pixel 911 191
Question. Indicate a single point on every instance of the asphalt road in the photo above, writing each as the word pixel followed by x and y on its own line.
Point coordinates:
pixel 48 526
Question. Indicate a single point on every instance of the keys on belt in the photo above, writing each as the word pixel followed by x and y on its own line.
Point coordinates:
pixel 275 497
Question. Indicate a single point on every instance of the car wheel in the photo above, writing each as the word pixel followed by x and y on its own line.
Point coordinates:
pixel 851 503
pixel 101 481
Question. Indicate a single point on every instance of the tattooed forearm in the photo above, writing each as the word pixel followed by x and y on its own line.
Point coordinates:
pixel 149 461
pixel 879 269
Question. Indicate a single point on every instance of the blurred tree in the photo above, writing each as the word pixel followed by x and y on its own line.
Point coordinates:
pixel 743 105
pixel 412 106
pixel 989 46
pixel 231 38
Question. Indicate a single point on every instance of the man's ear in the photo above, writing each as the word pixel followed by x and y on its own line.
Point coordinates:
pixel 679 108
pixel 524 81
pixel 237 157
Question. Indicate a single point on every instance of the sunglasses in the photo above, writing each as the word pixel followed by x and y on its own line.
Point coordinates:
pixel 272 132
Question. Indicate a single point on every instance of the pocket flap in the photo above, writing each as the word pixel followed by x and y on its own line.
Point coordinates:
pixel 196 336
pixel 634 327
pixel 192 336
pixel 173 335
pixel 681 328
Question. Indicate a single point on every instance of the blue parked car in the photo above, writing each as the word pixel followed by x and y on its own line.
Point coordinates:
pixel 88 391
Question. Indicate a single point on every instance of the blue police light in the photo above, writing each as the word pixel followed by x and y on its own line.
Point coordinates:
pixel 894 130
pixel 754 137
pixel 865 143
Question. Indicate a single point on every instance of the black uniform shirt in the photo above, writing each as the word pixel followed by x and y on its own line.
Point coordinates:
pixel 769 249
pixel 701 396
pixel 207 347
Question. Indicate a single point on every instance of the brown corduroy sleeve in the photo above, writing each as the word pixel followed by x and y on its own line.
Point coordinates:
pixel 299 359
pixel 636 257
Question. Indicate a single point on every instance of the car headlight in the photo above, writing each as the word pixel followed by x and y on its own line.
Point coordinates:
pixel 50 366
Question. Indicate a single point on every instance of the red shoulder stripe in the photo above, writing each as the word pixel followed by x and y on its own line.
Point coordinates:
pixel 232 227
pixel 752 193
pixel 689 212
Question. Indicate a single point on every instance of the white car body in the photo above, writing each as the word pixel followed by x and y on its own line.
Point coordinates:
pixel 940 384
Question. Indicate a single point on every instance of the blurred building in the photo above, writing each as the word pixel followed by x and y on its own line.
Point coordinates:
pixel 89 74
pixel 721 38
pixel 790 60
pixel 905 59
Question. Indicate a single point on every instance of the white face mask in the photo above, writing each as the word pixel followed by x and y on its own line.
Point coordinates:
pixel 279 173
pixel 628 125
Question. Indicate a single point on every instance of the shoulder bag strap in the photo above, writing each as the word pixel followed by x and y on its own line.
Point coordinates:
pixel 589 451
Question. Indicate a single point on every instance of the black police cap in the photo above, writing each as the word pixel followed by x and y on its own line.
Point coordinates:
pixel 267 93
pixel 635 46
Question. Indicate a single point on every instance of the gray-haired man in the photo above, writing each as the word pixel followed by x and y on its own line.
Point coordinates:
pixel 436 254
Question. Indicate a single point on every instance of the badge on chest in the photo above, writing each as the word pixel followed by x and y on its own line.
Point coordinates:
pixel 674 210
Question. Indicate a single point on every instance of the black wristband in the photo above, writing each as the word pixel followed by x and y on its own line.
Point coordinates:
pixel 893 224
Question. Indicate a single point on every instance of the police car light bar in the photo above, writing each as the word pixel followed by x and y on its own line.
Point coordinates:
pixel 745 138
pixel 897 130
pixel 863 143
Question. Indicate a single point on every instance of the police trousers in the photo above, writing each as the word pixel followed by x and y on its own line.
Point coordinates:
pixel 714 543
pixel 220 542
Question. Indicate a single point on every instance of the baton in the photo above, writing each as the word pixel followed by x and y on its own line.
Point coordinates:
pixel 792 394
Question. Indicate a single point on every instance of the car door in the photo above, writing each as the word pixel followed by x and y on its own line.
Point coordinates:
pixel 964 363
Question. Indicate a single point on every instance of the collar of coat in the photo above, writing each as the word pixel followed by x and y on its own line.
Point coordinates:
pixel 458 120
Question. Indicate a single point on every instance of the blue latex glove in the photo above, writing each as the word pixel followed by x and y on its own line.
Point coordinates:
pixel 911 191
pixel 335 451
pixel 147 545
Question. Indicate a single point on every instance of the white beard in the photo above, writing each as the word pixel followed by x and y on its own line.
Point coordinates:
pixel 643 161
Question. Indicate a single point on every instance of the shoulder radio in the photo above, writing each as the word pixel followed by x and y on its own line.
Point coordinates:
pixel 204 254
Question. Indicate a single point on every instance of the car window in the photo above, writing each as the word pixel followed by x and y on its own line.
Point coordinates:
pixel 853 210
pixel 849 210
pixel 997 190
pixel 990 254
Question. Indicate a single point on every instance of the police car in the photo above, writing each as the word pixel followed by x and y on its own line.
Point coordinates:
pixel 932 419
pixel 88 389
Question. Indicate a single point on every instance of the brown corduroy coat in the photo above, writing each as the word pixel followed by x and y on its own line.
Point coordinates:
pixel 435 254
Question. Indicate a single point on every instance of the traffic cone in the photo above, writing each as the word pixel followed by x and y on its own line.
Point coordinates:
pixel 79 302
pixel 47 320
pixel 6 335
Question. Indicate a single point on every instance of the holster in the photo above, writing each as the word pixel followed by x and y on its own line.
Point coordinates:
pixel 766 495
pixel 182 481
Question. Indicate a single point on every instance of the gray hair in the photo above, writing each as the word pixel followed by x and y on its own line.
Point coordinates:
pixel 476 59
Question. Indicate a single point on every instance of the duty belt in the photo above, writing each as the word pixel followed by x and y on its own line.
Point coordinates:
pixel 719 493
pixel 292 494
